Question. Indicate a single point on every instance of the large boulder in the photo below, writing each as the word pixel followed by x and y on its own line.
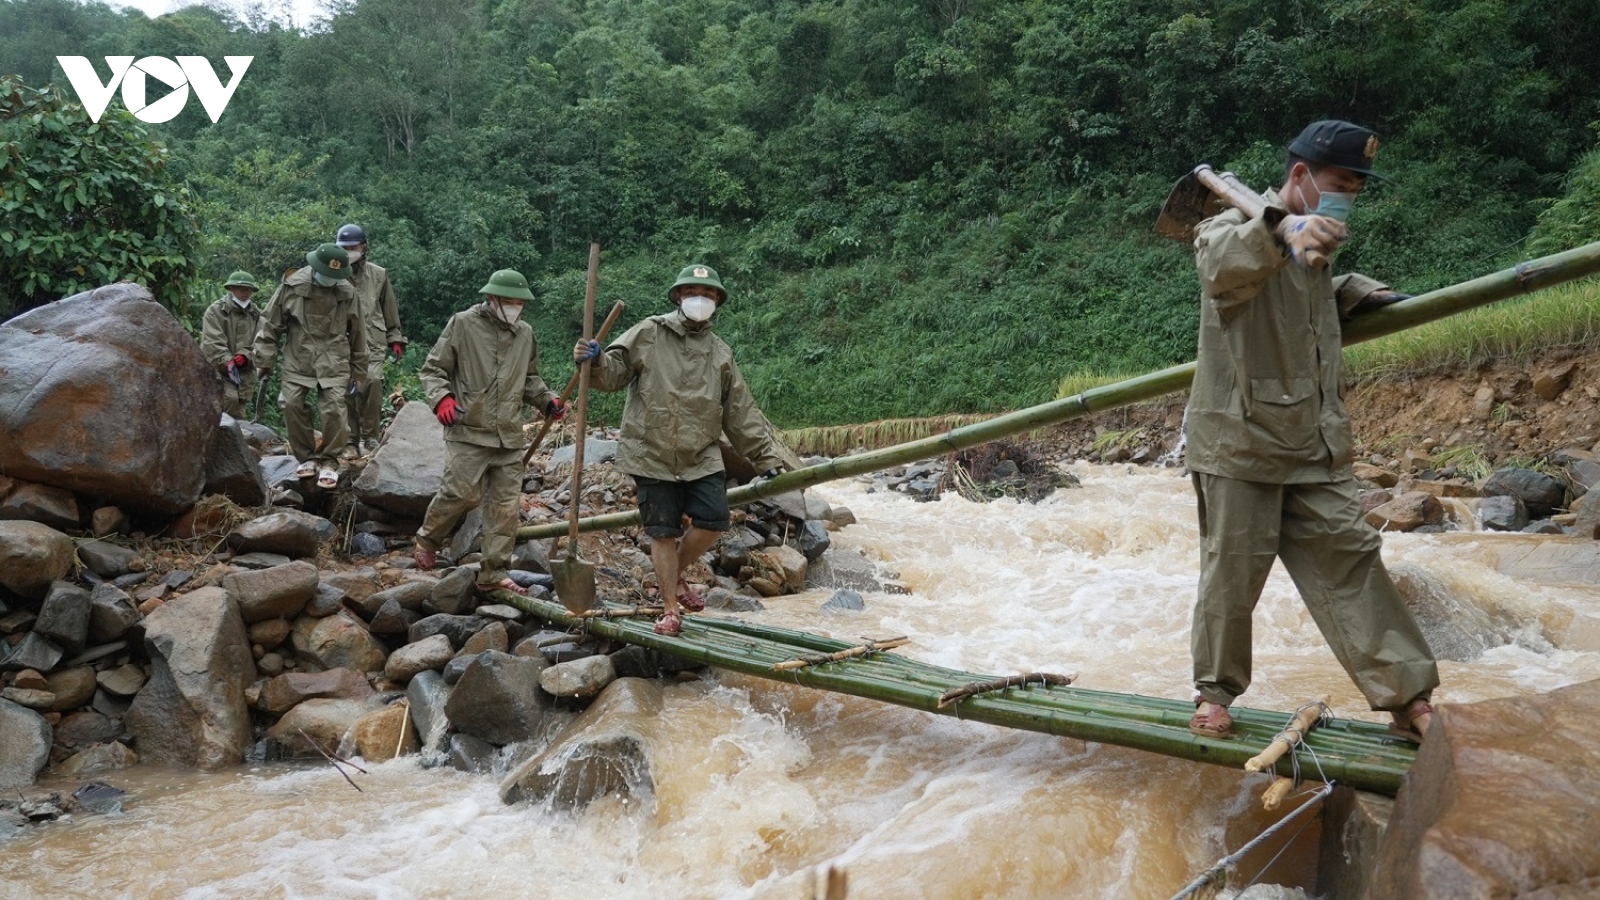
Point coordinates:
pixel 429 695
pixel 1500 803
pixel 1541 494
pixel 498 698
pixel 604 751
pixel 24 744
pixel 193 712
pixel 104 393
pixel 404 474
pixel 32 556
pixel 233 467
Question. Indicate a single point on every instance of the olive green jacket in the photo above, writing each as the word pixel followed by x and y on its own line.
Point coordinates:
pixel 377 307
pixel 684 392
pixel 1267 402
pixel 493 370
pixel 226 331
pixel 325 344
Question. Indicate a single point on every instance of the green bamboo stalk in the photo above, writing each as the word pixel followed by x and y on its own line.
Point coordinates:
pixel 1523 278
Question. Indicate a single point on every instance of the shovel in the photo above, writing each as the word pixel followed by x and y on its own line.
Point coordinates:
pixel 575 577
pixel 1202 194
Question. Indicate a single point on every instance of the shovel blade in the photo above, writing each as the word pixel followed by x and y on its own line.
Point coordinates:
pixel 574 583
pixel 1189 204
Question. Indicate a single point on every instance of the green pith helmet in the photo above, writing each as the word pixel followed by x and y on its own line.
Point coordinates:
pixel 242 278
pixel 507 283
pixel 331 261
pixel 698 274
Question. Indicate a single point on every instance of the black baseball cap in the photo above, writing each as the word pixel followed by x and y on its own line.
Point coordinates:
pixel 1333 142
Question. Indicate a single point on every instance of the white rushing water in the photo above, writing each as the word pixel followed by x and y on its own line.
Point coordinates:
pixel 762 785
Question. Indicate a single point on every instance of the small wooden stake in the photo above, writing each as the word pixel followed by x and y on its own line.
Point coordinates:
pixel 869 647
pixel 405 722
pixel 1000 684
pixel 1288 737
pixel 625 612
pixel 1276 791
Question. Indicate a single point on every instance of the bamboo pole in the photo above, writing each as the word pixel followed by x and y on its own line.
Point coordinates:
pixel 1523 278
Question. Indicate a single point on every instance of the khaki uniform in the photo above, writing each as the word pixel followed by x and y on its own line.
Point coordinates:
pixel 227 330
pixel 1269 442
pixel 684 392
pixel 325 350
pixel 492 369
pixel 377 307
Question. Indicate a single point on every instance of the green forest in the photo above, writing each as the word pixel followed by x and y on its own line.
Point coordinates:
pixel 919 206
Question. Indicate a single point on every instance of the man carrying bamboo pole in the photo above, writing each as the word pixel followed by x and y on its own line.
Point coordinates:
pixel 684 392
pixel 1270 446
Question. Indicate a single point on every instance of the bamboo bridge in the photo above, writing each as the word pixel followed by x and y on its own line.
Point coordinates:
pixel 1357 754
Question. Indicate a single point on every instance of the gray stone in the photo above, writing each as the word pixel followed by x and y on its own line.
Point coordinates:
pixel 458 628
pixel 326 722
pixel 456 667
pixel 192 712
pixel 404 474
pixel 841 517
pixel 1541 494
pixel 280 592
pixel 357 585
pixel 123 681
pixel 531 556
pixel 362 544
pixel 134 579
pixel 428 695
pixel 468 536
pixel 35 652
pixel 579 678
pixel 324 602
pixel 25 740
pixel 498 698
pixel 595 452
pixel 43 504
pixel 32 555
pixel 1543 526
pixel 424 655
pixel 96 759
pixel 733 601
pixel 408 595
pixel 634 661
pixel 110 705
pixel 1502 513
pixel 233 467
pixel 64 616
pixel 259 560
pixel 844 599
pixel 500 611
pixel 454 593
pixel 843 569
pixel 733 555
pixel 469 754
pixel 392 618
pixel 604 751
pixel 106 559
pixel 338 640
pixel 284 692
pixel 276 470
pixel 127 373
pixel 1352 829
pixel 568 651
pixel 813 539
pixel 260 436
pixel 85 729
pixel 102 651
pixel 108 520
pixel 291 533
pixel 111 614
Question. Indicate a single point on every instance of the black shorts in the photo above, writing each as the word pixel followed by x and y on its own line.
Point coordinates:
pixel 663 504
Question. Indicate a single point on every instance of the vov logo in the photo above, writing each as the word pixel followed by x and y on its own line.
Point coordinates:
pixel 187 72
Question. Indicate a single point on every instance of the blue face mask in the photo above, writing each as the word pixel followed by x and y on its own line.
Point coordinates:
pixel 1335 205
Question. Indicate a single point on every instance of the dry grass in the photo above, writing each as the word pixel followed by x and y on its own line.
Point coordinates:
pixel 839 440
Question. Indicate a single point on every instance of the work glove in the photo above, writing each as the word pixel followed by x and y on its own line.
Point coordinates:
pixel 241 361
pixel 585 351
pixel 398 349
pixel 555 410
pixel 1312 239
pixel 446 410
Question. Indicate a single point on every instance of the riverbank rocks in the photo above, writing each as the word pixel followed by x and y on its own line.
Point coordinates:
pixel 25 741
pixel 280 592
pixel 290 533
pixel 32 556
pixel 413 659
pixel 192 712
pixel 604 751
pixel 1541 494
pixel 233 467
pixel 284 692
pixel 498 698
pixel 64 617
pixel 319 726
pixel 84 365
pixel 428 695
pixel 1501 803
pixel 112 614
pixel 1407 512
pixel 386 733
pixel 340 640
pixel 579 678
pixel 404 474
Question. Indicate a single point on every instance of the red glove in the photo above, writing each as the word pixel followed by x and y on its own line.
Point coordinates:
pixel 241 361
pixel 446 410
pixel 398 349
pixel 555 409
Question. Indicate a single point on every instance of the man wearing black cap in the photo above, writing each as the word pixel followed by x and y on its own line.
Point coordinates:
pixel 1269 440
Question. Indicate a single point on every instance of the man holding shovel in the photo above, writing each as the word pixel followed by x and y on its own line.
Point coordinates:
pixel 480 373
pixel 684 392
pixel 1269 441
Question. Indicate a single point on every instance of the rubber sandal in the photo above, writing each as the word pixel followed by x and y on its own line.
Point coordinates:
pixel 689 598
pixel 1214 724
pixel 504 584
pixel 306 469
pixel 1405 725
pixel 670 624
pixel 328 478
pixel 425 559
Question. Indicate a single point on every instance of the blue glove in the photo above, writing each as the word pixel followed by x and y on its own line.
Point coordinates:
pixel 585 351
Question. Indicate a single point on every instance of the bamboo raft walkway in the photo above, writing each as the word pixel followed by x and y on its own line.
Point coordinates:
pixel 1361 755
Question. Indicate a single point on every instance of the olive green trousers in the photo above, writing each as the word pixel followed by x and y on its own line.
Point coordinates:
pixel 1334 559
pixel 296 401
pixel 366 407
pixel 472 472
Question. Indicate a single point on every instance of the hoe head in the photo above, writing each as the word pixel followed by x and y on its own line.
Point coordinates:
pixel 1190 203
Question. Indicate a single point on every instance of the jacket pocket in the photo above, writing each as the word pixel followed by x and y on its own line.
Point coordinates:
pixel 473 414
pixel 1285 408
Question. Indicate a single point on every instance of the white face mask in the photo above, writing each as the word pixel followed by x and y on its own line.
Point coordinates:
pixel 323 280
pixel 355 256
pixel 508 313
pixel 698 308
pixel 243 302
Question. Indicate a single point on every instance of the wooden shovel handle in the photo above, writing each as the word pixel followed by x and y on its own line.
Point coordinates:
pixel 572 383
pixel 579 436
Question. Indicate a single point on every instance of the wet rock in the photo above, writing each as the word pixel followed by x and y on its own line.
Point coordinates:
pixel 111 614
pixel 1500 803
pixel 233 467
pixel 603 752
pixel 392 618
pixel 468 535
pixel 841 517
pixel 104 559
pixel 326 722
pixel 85 729
pixel 1543 526
pixel 35 652
pixel 426 654
pixel 733 601
pixel 98 798
pixel 64 617
pixel 285 692
pixel 791 562
pixel 732 555
pixel 454 593
pixel 428 694
pixel 73 687
pixel 280 592
pixel 92 359
pixel 108 520
pixel 32 555
pixel 25 741
pixel 579 678
pixel 123 681
pixel 813 539
pixel 531 556
pixel 278 470
pixel 1407 512
pixel 290 533
pixel 458 628
pixel 367 545
pixel 386 733
pixel 408 595
pixel 1504 513
pixel 844 600
pixel 843 569
pixel 96 759
pixel 501 611
pixel 41 503
pixel 469 754
pixel 498 698
pixel 340 640
pixel 192 712
pixel 404 474
pixel 32 699
pixel 634 661
pixel 455 668
pixel 1541 494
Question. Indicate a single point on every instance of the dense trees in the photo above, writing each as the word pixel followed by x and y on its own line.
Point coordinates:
pixel 924 206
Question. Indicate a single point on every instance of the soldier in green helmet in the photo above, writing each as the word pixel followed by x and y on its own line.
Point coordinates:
pixel 684 392
pixel 314 313
pixel 227 331
pixel 1269 441
pixel 479 375
pixel 381 313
